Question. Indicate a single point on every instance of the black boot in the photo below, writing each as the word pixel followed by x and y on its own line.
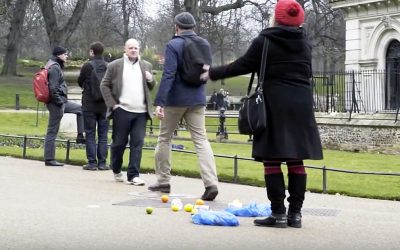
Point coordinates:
pixel 276 194
pixel 297 189
pixel 274 220
pixel 294 219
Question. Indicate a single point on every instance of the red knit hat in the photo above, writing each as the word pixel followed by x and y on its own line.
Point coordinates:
pixel 289 13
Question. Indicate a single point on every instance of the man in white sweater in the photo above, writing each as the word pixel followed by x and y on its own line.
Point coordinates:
pixel 126 90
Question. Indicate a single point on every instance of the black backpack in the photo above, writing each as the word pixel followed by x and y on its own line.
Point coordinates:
pixel 95 79
pixel 195 55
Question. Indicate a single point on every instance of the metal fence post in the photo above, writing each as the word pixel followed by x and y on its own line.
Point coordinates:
pixel 151 126
pixel 235 169
pixel 67 154
pixel 24 147
pixel 16 101
pixel 324 179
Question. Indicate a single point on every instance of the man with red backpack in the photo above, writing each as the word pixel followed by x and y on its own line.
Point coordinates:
pixel 58 105
pixel 94 108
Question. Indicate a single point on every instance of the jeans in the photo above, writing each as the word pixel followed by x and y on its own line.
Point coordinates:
pixel 91 120
pixel 55 115
pixel 133 125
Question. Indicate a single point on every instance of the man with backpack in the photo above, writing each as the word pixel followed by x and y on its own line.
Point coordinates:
pixel 94 108
pixel 179 98
pixel 58 105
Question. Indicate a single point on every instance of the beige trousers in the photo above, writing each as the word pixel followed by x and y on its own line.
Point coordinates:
pixel 195 120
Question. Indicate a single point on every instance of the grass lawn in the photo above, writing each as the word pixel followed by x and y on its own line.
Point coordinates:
pixel 249 172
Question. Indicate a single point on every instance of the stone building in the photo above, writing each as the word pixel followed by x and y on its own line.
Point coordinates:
pixel 373 59
pixel 373 43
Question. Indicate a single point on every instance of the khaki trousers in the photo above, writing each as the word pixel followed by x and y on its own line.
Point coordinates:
pixel 195 120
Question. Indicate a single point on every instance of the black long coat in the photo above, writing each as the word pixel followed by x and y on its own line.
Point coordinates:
pixel 88 104
pixel 292 132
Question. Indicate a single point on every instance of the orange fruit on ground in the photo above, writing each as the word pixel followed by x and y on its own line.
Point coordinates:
pixel 164 198
pixel 199 202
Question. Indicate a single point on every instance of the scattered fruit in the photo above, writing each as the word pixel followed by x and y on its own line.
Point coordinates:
pixel 149 210
pixel 199 202
pixel 164 198
pixel 194 211
pixel 188 207
pixel 175 208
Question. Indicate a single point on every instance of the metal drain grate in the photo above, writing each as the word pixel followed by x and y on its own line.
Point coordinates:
pixel 320 211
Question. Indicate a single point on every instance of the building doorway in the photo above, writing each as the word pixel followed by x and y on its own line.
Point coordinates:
pixel 392 84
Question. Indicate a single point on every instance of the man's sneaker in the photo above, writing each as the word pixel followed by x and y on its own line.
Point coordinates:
pixel 210 193
pixel 53 163
pixel 118 177
pixel 103 167
pixel 90 167
pixel 163 188
pixel 137 181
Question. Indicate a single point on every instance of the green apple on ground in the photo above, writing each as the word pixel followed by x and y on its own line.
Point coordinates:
pixel 149 210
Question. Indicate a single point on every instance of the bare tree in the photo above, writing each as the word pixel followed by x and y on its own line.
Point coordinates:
pixel 326 30
pixel 14 38
pixel 60 35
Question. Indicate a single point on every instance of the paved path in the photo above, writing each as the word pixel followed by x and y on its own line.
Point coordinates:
pixel 68 208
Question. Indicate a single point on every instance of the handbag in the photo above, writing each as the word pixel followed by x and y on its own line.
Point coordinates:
pixel 252 113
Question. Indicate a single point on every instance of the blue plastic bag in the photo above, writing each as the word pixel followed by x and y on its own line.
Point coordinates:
pixel 251 210
pixel 215 218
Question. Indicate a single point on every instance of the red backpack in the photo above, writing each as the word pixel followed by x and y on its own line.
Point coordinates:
pixel 40 84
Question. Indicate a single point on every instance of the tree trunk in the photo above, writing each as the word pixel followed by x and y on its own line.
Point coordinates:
pixel 221 45
pixel 60 35
pixel 125 16
pixel 177 7
pixel 14 38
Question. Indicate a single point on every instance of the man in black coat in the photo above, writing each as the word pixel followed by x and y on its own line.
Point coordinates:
pixel 94 109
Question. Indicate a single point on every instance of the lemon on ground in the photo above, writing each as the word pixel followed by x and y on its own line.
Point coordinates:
pixel 194 211
pixel 188 207
pixel 175 208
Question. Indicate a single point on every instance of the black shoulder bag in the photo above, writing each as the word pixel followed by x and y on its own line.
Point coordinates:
pixel 252 113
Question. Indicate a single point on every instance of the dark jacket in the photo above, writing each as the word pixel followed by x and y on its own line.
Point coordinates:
pixel 57 86
pixel 173 91
pixel 84 79
pixel 292 132
pixel 111 85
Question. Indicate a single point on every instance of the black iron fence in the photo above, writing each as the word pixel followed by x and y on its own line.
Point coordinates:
pixel 70 145
pixel 364 91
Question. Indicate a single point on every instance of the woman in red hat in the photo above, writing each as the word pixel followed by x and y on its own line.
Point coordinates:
pixel 292 134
